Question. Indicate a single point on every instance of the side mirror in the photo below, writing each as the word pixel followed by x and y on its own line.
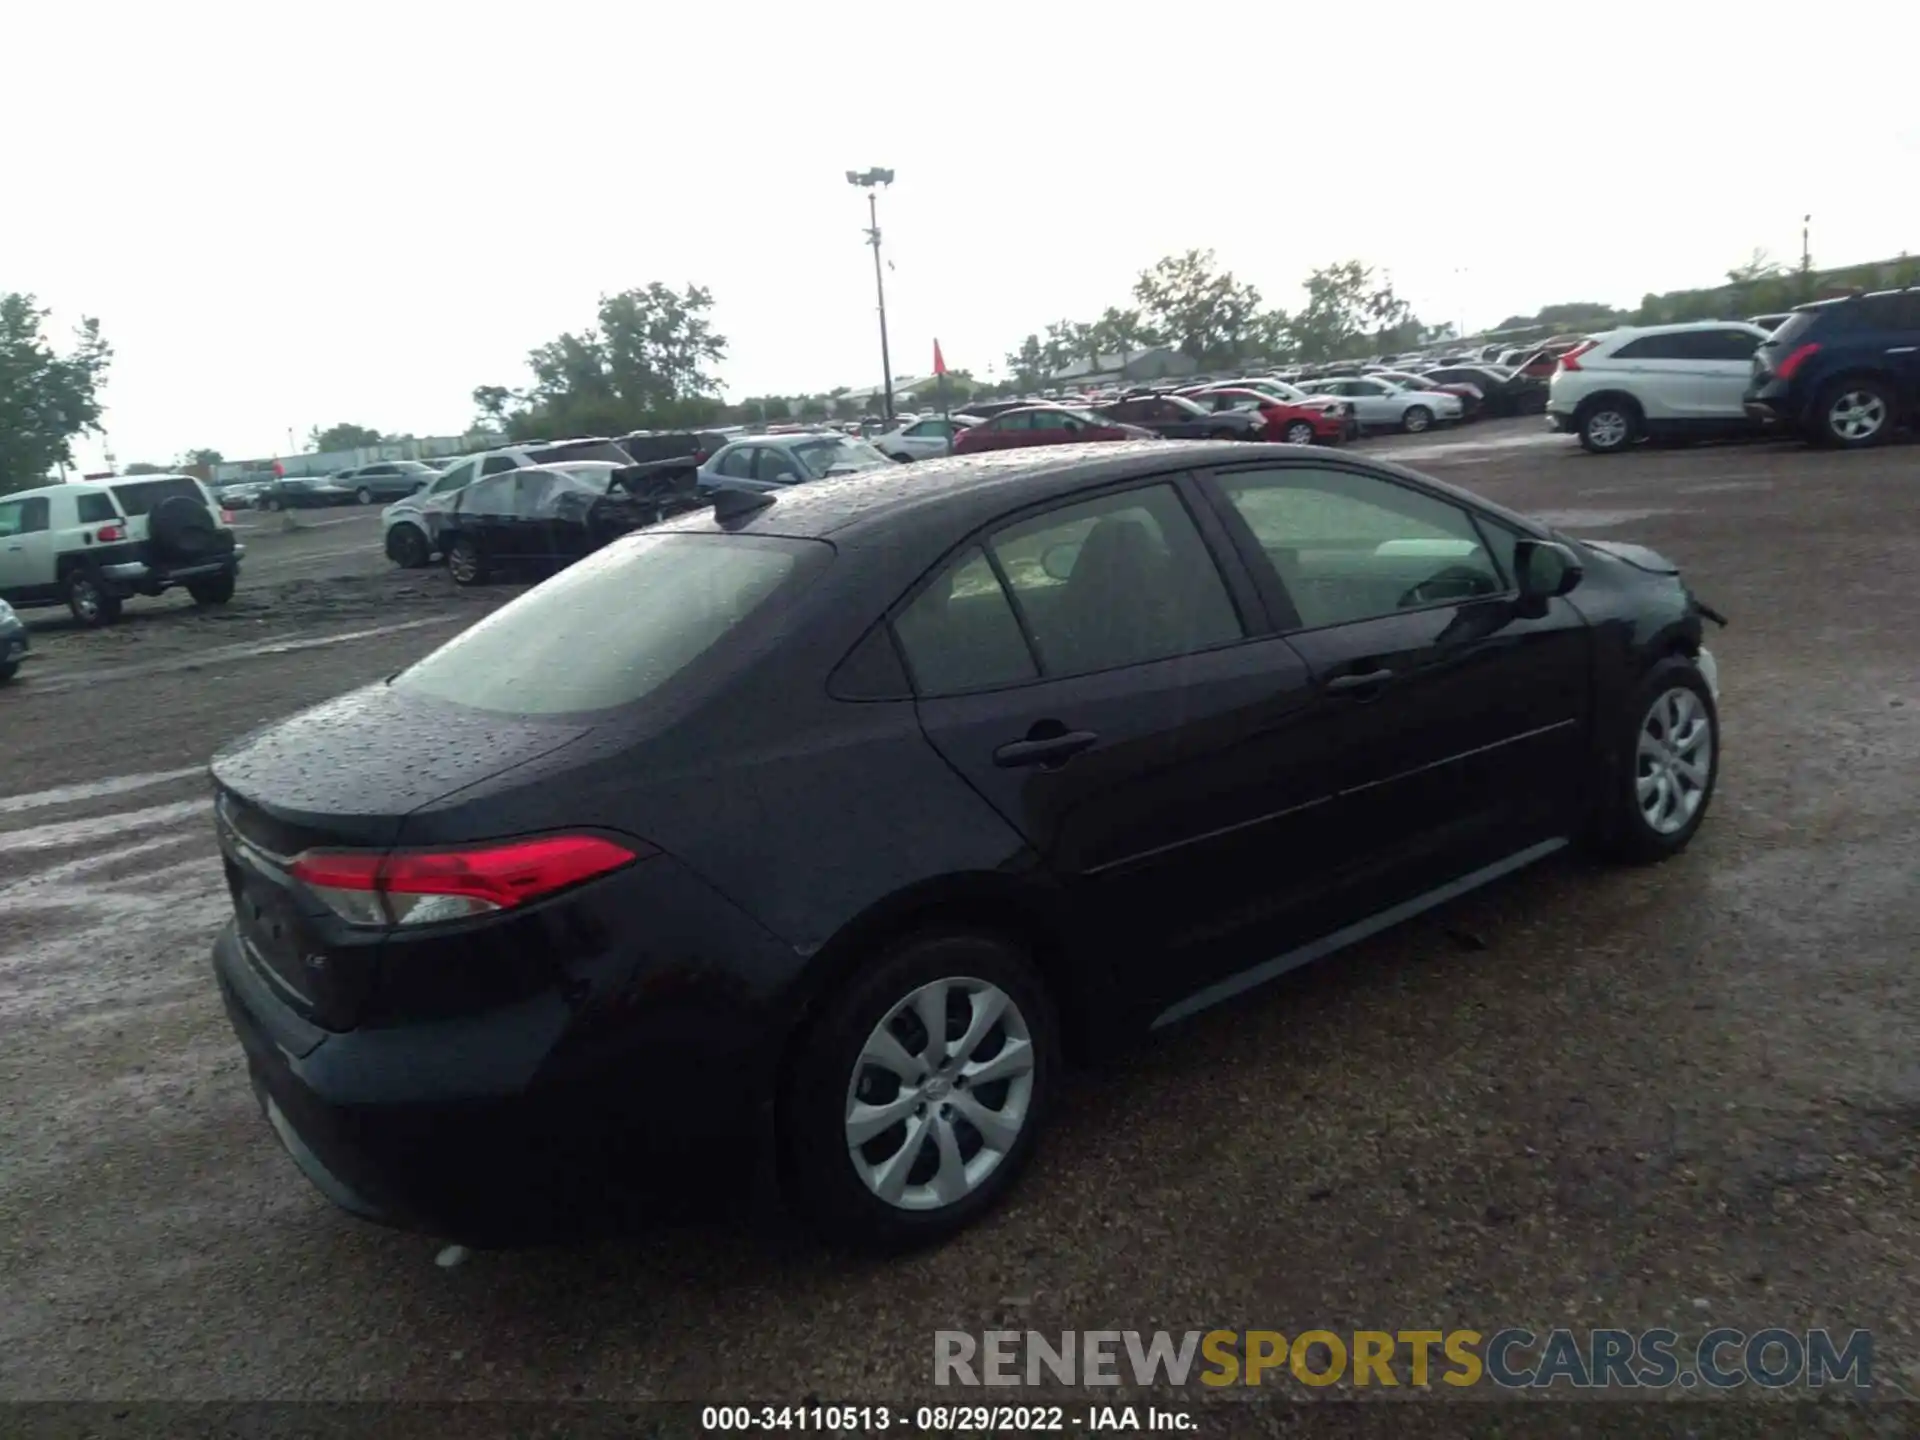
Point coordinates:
pixel 1546 569
pixel 1057 560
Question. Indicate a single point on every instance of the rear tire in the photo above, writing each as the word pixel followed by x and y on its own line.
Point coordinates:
pixel 1854 413
pixel 214 590
pixel 89 600
pixel 1608 426
pixel 363 495
pixel 8 670
pixel 1299 432
pixel 1224 435
pixel 465 563
pixel 1655 795
pixel 934 1145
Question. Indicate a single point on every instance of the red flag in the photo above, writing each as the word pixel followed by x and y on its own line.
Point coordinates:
pixel 939 360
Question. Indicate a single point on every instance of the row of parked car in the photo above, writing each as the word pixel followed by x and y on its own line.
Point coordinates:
pixel 1837 370
pixel 1843 372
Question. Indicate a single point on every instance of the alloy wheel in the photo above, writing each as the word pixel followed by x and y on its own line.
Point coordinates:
pixel 1300 433
pixel 86 600
pixel 1607 429
pixel 1415 420
pixel 940 1093
pixel 1857 415
pixel 463 564
pixel 1674 763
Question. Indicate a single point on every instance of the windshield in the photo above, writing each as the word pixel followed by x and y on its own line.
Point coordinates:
pixel 832 456
pixel 615 627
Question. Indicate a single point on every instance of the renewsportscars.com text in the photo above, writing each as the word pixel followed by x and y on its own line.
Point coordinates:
pixel 1511 1359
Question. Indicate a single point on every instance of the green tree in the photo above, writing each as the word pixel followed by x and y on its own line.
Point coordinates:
pixel 208 458
pixel 642 365
pixel 1346 309
pixel 46 398
pixel 491 403
pixel 1197 307
pixel 768 408
pixel 141 467
pixel 1027 366
pixel 1124 333
pixel 342 437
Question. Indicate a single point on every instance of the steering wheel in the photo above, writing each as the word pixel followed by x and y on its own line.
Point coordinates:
pixel 1456 582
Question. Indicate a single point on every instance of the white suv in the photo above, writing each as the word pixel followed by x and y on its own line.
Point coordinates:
pixel 1666 381
pixel 91 544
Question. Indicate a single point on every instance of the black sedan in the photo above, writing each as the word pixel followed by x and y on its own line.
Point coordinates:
pixel 545 517
pixel 1503 392
pixel 1175 417
pixel 811 834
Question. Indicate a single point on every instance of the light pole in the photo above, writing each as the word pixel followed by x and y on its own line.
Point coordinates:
pixel 871 181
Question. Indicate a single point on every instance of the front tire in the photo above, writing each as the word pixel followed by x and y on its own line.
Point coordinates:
pixel 917 1096
pixel 1853 414
pixel 1655 796
pixel 1417 420
pixel 1606 427
pixel 407 547
pixel 89 600
pixel 465 563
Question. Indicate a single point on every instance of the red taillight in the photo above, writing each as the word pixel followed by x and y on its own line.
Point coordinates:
pixel 226 517
pixel 110 533
pixel 1571 359
pixel 1784 370
pixel 414 887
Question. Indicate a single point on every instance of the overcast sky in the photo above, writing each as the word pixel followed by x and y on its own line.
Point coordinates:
pixel 294 214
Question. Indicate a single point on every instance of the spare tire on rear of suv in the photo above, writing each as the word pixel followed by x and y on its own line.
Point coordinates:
pixel 182 531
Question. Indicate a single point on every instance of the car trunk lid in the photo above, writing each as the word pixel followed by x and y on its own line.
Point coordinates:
pixel 343 775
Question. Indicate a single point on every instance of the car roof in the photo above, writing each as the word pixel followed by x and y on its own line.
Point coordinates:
pixel 951 497
pixel 789 437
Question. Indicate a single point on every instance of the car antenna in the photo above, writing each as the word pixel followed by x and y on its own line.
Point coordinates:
pixel 738 504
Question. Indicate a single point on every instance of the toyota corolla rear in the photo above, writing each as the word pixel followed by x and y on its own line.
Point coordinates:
pixel 461 957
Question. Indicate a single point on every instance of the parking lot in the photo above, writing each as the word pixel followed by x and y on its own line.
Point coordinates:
pixel 1684 1096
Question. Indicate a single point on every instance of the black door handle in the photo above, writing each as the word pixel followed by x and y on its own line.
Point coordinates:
pixel 1347 684
pixel 1050 751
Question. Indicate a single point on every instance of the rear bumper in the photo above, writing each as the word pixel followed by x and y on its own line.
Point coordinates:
pixel 539 1114
pixel 137 572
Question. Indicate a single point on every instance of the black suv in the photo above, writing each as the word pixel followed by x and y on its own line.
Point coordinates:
pixel 1842 372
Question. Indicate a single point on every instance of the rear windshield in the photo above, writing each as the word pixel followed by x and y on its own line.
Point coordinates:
pixel 140 498
pixel 1790 331
pixel 581 450
pixel 615 627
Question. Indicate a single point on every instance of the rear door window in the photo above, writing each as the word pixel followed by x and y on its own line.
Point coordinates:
pixel 95 509
pixel 1120 580
pixel 619 625
pixel 960 633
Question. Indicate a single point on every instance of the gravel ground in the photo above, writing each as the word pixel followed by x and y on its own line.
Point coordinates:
pixel 1686 1096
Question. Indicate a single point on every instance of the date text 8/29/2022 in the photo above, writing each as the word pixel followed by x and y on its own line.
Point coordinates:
pixel 942 1419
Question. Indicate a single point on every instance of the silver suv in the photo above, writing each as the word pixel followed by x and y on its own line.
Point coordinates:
pixel 92 544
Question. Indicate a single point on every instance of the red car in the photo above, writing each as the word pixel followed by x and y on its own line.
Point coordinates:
pixel 1315 423
pixel 1042 425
